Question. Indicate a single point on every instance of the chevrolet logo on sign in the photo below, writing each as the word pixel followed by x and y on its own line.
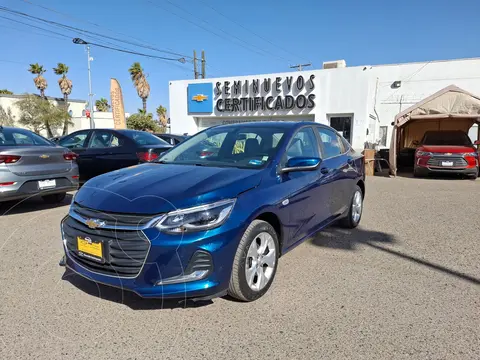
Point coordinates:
pixel 200 97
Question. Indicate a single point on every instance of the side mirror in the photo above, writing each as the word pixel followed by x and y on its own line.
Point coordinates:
pixel 476 142
pixel 301 163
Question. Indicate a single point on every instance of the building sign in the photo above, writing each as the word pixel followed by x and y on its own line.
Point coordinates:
pixel 276 94
pixel 200 98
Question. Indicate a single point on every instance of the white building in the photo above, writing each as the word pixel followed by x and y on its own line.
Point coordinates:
pixel 76 108
pixel 361 101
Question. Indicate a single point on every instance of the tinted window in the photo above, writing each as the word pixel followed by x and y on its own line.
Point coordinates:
pixel 144 138
pixel 446 138
pixel 104 139
pixel 75 140
pixel 236 146
pixel 331 142
pixel 21 137
pixel 303 143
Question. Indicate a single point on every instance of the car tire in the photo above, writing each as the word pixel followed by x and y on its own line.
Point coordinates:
pixel 355 212
pixel 54 198
pixel 416 173
pixel 474 176
pixel 253 271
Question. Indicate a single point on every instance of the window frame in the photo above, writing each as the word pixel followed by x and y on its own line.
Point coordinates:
pixel 283 158
pixel 320 142
pixel 85 142
pixel 112 133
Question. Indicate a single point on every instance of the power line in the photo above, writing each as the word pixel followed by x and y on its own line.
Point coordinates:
pixel 250 31
pixel 225 37
pixel 90 33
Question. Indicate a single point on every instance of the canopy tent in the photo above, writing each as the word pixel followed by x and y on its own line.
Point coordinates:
pixel 448 109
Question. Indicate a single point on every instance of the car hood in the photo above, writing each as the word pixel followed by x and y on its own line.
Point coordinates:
pixel 448 149
pixel 158 188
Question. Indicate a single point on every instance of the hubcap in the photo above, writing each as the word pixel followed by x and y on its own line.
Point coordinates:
pixel 260 261
pixel 357 206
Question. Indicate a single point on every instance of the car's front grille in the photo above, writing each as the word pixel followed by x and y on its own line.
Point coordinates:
pixel 124 251
pixel 444 161
pixel 113 219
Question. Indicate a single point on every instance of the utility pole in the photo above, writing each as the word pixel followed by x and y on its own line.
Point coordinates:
pixel 90 94
pixel 203 64
pixel 195 64
pixel 299 66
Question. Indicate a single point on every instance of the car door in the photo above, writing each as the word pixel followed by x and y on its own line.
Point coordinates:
pixel 335 166
pixel 77 143
pixel 108 151
pixel 307 196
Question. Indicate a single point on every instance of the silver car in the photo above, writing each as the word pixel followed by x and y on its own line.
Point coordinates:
pixel 31 165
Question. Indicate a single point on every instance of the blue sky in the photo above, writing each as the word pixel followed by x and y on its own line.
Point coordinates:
pixel 361 32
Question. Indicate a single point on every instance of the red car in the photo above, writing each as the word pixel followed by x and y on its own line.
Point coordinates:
pixel 448 151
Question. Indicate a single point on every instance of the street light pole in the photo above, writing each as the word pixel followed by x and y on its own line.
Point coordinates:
pixel 90 94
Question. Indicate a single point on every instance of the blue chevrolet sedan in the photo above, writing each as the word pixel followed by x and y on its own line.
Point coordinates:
pixel 195 226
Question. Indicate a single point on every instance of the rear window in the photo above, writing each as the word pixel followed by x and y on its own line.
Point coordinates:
pixel 21 137
pixel 446 138
pixel 144 138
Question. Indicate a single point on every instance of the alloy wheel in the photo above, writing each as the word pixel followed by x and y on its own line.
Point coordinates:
pixel 260 261
pixel 357 205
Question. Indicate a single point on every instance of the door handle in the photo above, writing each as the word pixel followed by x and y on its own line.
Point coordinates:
pixel 324 170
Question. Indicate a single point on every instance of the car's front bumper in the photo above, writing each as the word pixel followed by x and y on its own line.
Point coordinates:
pixel 168 257
pixel 446 170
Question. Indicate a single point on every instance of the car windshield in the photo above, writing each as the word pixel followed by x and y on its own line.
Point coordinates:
pixel 241 147
pixel 144 138
pixel 21 137
pixel 455 138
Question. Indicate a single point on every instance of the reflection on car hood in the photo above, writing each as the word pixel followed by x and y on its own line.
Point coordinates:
pixel 158 188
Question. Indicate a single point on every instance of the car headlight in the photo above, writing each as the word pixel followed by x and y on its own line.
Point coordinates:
pixel 424 153
pixel 203 217
pixel 474 154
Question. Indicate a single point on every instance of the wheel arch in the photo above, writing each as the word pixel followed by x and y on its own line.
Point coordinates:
pixel 361 185
pixel 273 220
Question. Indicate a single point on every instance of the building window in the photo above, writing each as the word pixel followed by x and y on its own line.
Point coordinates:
pixel 343 124
pixel 383 135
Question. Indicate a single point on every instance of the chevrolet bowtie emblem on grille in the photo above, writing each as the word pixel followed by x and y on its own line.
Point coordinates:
pixel 44 156
pixel 200 97
pixel 94 223
pixel 448 154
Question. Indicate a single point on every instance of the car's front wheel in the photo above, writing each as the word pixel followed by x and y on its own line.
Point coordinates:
pixel 54 198
pixel 255 262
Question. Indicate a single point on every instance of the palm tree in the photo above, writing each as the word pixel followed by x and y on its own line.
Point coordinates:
pixel 162 115
pixel 102 105
pixel 39 80
pixel 66 86
pixel 140 82
pixel 41 84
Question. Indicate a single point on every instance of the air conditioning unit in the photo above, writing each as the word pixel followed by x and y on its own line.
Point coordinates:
pixel 334 64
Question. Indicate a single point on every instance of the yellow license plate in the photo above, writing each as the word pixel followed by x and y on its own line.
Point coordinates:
pixel 88 247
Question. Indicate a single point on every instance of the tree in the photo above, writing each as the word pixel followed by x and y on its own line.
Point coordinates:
pixel 6 117
pixel 162 115
pixel 41 84
pixel 6 92
pixel 140 82
pixel 39 114
pixel 66 86
pixel 102 105
pixel 142 121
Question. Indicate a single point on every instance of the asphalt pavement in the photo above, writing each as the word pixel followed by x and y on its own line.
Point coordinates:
pixel 405 284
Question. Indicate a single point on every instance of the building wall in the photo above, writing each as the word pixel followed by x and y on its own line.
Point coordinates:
pixel 336 91
pixel 101 119
pixel 364 91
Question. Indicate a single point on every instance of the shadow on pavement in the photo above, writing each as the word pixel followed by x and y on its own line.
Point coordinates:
pixel 30 205
pixel 439 176
pixel 126 297
pixel 338 238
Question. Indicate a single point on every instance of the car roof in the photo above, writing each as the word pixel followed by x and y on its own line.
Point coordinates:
pixel 277 124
